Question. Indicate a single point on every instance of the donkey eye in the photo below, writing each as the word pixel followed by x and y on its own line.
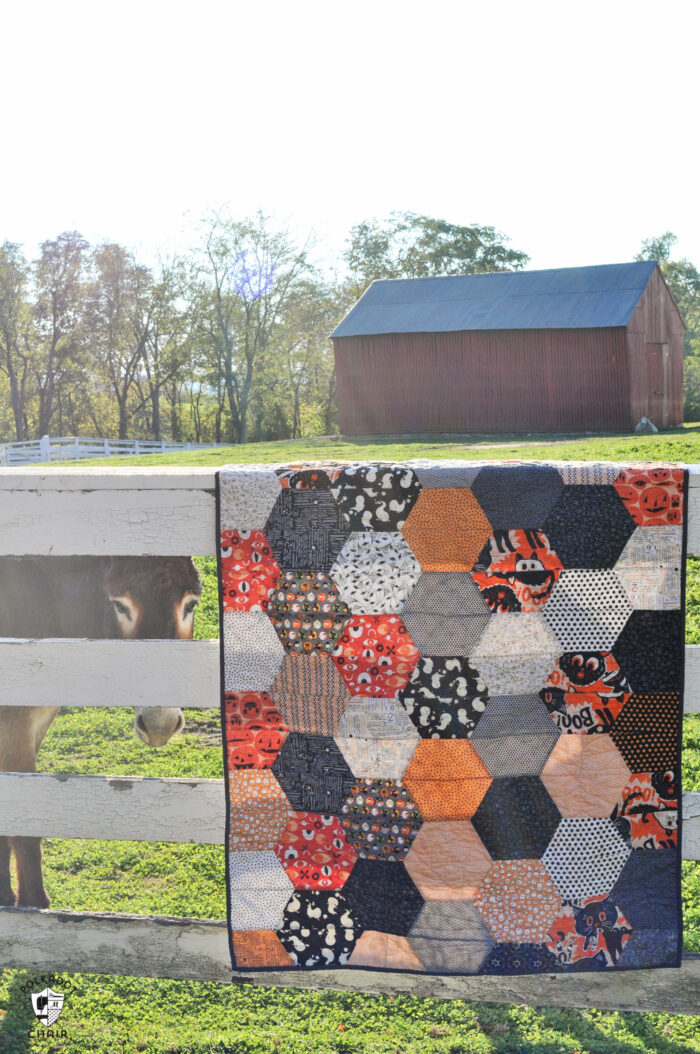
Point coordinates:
pixel 122 609
pixel 190 606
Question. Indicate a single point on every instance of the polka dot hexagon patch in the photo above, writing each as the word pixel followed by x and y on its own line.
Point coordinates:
pixel 445 614
pixel 585 857
pixel 447 529
pixel 447 779
pixel 380 819
pixel 306 611
pixel 252 651
pixel 258 810
pixel 259 890
pixel 587 609
pixel 518 900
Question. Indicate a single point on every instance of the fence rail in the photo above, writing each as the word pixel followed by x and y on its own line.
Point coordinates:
pixel 170 512
pixel 76 448
pixel 197 950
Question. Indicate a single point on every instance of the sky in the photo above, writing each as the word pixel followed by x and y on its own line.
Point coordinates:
pixel 571 128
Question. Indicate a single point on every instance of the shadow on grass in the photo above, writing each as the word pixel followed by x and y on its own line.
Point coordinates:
pixel 589 1034
pixel 19 1019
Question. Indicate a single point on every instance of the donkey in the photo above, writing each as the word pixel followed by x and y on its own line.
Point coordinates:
pixel 95 597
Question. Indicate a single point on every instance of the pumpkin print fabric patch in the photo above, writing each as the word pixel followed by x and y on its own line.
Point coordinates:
pixel 451 704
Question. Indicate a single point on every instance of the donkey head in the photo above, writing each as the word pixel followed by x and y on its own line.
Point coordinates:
pixel 153 597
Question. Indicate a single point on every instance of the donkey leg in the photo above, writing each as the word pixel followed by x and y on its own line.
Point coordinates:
pixel 30 882
pixel 7 895
pixel 21 732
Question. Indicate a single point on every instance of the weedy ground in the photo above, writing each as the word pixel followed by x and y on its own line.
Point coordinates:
pixel 106 1015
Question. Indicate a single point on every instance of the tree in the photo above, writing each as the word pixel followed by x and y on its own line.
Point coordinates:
pixel 409 245
pixel 301 370
pixel 244 282
pixel 59 276
pixel 164 349
pixel 120 319
pixel 16 331
pixel 683 279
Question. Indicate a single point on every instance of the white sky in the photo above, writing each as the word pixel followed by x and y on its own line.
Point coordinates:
pixel 572 128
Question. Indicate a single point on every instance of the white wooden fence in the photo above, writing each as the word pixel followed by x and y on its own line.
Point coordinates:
pixel 77 448
pixel 170 511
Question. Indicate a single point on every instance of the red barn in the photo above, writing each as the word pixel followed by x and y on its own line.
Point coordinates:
pixel 568 350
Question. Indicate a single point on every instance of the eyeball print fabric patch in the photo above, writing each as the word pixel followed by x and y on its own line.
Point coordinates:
pixel 451 702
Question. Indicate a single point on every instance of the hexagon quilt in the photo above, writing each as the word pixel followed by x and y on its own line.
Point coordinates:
pixel 451 699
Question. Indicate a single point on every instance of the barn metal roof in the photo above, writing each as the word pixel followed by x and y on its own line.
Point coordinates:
pixel 562 298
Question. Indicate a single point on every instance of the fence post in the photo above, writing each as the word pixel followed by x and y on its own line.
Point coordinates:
pixel 137 449
pixel 106 446
pixel 44 449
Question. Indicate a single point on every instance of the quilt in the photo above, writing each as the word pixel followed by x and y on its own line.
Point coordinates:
pixel 451 715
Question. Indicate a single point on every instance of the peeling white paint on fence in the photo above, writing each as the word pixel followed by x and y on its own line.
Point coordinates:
pixel 148 809
pixel 119 808
pixel 691 826
pixel 131 511
pixel 109 672
pixel 102 673
pixel 197 949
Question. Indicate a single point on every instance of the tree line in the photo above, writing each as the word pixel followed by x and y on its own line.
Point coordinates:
pixel 227 342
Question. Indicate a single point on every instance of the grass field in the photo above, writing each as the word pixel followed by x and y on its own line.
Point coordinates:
pixel 113 1014
pixel 678 444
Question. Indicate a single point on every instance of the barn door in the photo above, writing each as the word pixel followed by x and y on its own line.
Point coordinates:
pixel 657 383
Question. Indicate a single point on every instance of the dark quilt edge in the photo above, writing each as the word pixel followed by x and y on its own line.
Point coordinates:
pixel 679 749
pixel 561 972
pixel 222 717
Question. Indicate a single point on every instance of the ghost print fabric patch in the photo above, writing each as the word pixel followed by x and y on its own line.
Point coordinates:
pixel 452 695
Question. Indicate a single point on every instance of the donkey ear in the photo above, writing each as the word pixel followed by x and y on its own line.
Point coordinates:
pixel 195 574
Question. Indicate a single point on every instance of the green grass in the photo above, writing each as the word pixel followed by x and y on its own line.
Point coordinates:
pixel 108 1014
pixel 677 444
